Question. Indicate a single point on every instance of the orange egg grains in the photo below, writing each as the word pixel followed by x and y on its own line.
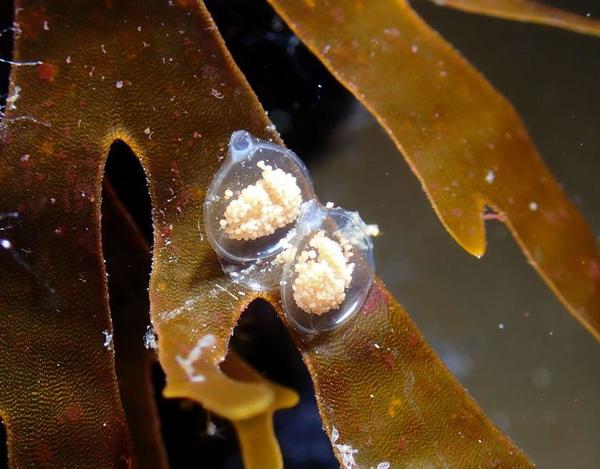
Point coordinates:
pixel 323 274
pixel 264 221
pixel 261 208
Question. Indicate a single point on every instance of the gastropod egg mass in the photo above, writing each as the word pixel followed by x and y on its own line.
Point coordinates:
pixel 329 268
pixel 252 205
pixel 269 230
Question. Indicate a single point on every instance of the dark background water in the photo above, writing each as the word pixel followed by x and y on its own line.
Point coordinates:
pixel 532 368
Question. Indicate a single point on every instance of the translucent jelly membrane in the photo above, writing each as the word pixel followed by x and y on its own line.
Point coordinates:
pixel 335 223
pixel 249 261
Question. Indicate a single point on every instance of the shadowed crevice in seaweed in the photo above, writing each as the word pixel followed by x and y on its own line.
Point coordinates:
pixel 3 448
pixel 261 339
pixel 127 178
pixel 6 45
pixel 128 266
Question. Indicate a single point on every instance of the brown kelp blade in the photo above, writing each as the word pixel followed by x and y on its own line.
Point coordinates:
pixel 462 139
pixel 527 11
pixel 59 397
pixel 158 76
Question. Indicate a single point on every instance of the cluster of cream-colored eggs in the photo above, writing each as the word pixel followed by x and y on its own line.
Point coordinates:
pixel 324 272
pixel 261 208
pixel 265 208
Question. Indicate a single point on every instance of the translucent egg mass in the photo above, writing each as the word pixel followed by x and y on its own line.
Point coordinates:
pixel 329 268
pixel 254 201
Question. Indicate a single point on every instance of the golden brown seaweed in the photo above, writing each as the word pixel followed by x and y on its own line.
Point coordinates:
pixel 527 11
pixel 165 84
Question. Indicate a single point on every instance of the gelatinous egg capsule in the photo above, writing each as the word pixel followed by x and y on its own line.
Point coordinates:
pixel 254 201
pixel 329 269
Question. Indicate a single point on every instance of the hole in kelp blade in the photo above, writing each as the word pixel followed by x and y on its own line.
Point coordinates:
pixel 3 446
pixel 6 47
pixel 127 257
